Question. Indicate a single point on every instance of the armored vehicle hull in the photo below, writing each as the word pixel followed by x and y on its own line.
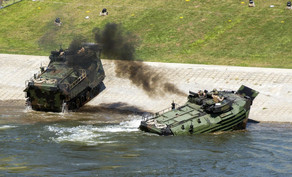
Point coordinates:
pixel 71 79
pixel 200 114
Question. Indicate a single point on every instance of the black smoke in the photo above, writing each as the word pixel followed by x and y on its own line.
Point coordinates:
pixel 120 45
pixel 77 56
pixel 117 44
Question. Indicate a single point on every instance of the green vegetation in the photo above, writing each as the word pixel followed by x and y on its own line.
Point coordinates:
pixel 196 31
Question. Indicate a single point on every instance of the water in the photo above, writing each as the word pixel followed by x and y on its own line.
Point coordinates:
pixel 103 142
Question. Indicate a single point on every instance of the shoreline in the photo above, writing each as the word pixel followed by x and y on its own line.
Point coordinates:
pixel 273 104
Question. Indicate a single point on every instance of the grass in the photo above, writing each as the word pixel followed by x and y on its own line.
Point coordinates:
pixel 8 2
pixel 197 31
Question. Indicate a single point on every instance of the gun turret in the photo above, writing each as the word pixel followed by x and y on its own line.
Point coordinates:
pixel 193 93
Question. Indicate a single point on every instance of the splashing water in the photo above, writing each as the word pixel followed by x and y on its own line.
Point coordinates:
pixel 27 109
pixel 126 126
pixel 4 127
pixel 81 134
pixel 91 134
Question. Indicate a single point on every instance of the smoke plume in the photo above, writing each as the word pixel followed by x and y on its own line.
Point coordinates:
pixel 76 56
pixel 119 44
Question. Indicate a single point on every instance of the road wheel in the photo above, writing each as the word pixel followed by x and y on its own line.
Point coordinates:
pixel 83 99
pixel 77 102
pixel 87 95
pixel 72 105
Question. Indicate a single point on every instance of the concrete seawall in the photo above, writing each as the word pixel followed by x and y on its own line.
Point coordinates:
pixel 274 103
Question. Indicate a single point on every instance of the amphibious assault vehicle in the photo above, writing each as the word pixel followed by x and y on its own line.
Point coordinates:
pixel 204 112
pixel 72 78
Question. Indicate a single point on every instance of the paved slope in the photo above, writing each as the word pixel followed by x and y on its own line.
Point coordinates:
pixel 274 102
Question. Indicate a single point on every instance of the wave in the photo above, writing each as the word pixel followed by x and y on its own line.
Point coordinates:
pixel 126 126
pixel 4 127
pixel 91 134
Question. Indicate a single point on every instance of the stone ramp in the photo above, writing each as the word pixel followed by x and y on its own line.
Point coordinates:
pixel 274 103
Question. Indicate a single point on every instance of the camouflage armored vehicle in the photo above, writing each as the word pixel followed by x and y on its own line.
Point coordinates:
pixel 72 78
pixel 204 112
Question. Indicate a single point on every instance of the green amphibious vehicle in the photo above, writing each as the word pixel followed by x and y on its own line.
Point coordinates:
pixel 204 112
pixel 72 78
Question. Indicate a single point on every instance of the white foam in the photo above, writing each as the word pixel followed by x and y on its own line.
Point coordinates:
pixel 27 109
pixel 92 135
pixel 83 134
pixel 4 127
pixel 126 126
